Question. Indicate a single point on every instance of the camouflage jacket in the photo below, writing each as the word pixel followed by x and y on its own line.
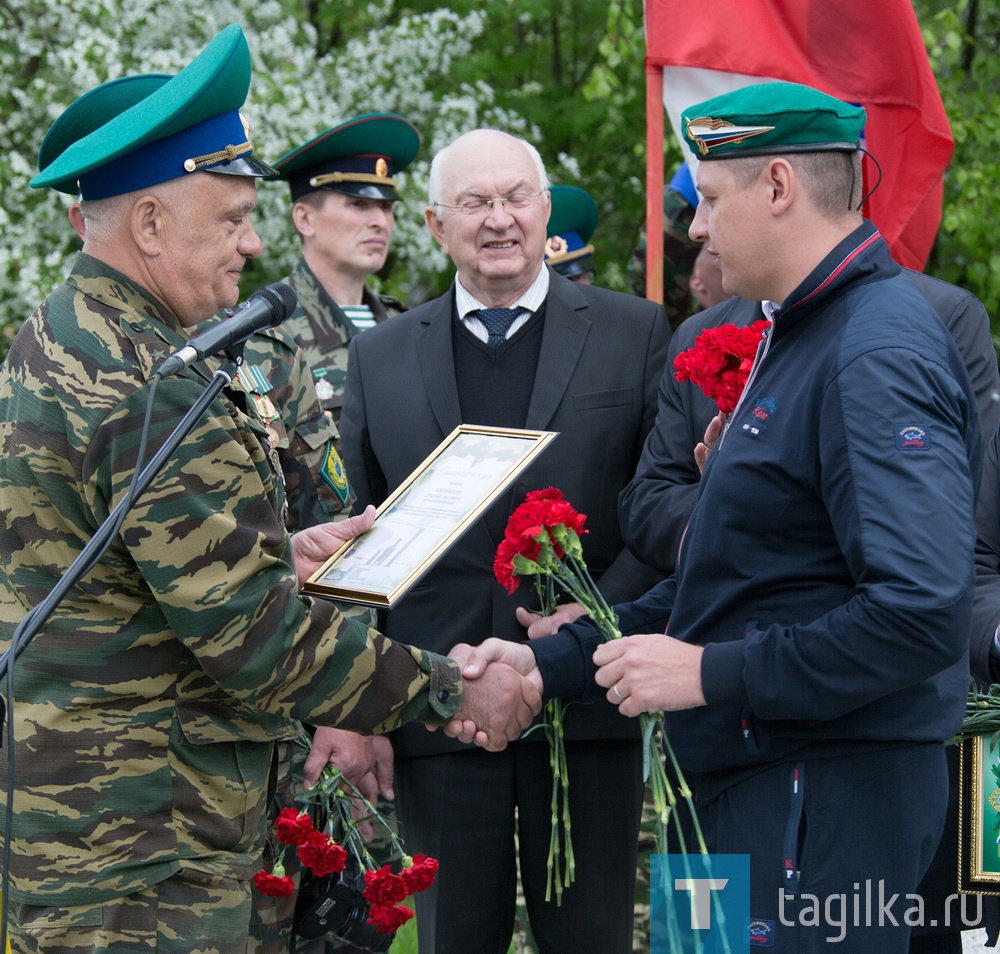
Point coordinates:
pixel 146 708
pixel 279 384
pixel 323 332
pixel 679 253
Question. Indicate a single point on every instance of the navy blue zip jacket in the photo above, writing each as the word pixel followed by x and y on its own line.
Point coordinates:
pixel 828 565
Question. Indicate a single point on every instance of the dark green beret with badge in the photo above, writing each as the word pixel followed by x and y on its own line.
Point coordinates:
pixel 190 123
pixel 359 157
pixel 768 118
pixel 571 224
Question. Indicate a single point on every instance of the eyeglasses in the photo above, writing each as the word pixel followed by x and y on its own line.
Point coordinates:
pixel 477 205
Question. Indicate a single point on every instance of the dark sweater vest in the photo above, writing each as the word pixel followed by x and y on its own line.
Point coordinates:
pixel 494 389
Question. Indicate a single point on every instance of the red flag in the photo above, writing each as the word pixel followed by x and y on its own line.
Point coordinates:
pixel 868 52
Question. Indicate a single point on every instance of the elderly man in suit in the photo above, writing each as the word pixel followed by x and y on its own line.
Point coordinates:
pixel 575 359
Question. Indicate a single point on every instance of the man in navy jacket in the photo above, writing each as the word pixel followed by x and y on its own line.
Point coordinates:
pixel 817 623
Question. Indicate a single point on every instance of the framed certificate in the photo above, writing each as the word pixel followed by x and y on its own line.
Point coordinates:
pixel 979 815
pixel 427 513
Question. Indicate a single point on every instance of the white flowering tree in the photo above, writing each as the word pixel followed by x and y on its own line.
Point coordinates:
pixel 302 84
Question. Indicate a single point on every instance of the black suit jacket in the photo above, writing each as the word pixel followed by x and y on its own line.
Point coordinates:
pixel 602 355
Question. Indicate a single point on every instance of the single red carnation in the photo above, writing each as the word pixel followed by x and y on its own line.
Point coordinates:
pixel 384 887
pixel 503 566
pixel 527 521
pixel 421 873
pixel 292 826
pixel 720 360
pixel 389 918
pixel 322 854
pixel 274 886
pixel 563 512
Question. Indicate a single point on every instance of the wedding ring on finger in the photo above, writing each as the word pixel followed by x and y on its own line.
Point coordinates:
pixel 614 688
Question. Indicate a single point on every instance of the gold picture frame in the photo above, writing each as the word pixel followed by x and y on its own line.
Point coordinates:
pixel 427 513
pixel 979 816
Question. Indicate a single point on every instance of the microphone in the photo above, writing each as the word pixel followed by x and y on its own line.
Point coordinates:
pixel 265 308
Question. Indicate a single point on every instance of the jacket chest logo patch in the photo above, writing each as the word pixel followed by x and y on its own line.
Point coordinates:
pixel 760 414
pixel 910 437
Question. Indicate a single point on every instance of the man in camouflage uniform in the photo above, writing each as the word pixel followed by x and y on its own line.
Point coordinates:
pixel 573 220
pixel 342 192
pixel 274 373
pixel 146 707
pixel 276 378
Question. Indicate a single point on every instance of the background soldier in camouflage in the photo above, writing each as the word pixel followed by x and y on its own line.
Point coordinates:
pixel 680 199
pixel 573 220
pixel 146 707
pixel 342 191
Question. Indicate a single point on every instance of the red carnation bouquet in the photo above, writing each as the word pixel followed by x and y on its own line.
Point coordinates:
pixel 542 541
pixel 720 360
pixel 337 805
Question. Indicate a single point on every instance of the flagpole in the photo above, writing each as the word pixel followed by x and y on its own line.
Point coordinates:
pixel 654 182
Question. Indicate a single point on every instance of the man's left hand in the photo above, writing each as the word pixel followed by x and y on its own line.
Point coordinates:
pixel 538 625
pixel 650 673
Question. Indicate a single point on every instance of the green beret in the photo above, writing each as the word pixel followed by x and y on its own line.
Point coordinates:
pixel 189 124
pixel 768 118
pixel 358 157
pixel 572 222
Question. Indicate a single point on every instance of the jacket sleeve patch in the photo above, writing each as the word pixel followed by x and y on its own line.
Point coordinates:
pixel 911 437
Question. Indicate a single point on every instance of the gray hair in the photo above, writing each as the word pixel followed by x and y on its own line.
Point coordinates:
pixel 103 217
pixel 437 163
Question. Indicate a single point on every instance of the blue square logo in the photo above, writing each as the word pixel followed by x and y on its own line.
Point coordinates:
pixel 699 903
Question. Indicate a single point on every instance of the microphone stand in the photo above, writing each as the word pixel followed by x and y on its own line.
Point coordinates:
pixel 89 555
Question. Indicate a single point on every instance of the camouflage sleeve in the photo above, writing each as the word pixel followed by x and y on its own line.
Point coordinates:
pixel 217 561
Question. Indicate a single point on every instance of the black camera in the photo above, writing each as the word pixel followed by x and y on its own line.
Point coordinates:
pixel 335 905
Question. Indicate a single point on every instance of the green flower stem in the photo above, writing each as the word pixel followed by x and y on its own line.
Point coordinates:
pixel 338 800
pixel 573 577
pixel 561 862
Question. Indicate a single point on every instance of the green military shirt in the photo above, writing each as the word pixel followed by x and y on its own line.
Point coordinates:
pixel 145 709
pixel 324 332
pixel 279 383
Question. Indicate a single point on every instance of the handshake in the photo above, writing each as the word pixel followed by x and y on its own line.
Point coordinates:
pixel 502 693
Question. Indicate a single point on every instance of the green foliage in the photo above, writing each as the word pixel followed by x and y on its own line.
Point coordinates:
pixel 566 73
pixel 307 77
pixel 963 40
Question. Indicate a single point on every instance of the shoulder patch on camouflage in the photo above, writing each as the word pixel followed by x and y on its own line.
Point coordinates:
pixel 333 474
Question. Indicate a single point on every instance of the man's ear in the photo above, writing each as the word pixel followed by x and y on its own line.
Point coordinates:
pixel 779 175
pixel 146 221
pixel 435 226
pixel 302 219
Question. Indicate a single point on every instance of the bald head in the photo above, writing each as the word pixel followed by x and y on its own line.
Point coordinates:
pixel 489 207
pixel 475 145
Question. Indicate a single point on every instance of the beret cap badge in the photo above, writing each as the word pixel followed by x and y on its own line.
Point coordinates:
pixel 708 133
